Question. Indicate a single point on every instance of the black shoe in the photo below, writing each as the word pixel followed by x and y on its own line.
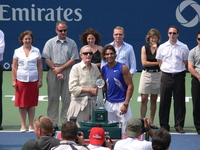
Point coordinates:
pixel 1 128
pixel 154 127
pixel 55 127
pixel 198 131
pixel 179 130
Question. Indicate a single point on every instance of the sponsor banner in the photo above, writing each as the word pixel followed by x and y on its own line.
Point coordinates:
pixel 137 17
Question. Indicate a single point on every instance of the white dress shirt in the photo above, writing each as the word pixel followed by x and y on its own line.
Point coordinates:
pixel 172 57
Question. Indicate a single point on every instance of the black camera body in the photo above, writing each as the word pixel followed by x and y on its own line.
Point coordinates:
pixel 144 129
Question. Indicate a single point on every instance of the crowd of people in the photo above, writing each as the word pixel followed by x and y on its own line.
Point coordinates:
pixel 73 139
pixel 164 70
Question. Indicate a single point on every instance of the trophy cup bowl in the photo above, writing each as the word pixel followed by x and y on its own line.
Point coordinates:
pixel 100 83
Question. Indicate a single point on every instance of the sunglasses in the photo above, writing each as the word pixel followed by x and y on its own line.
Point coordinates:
pixel 174 33
pixel 198 39
pixel 62 30
pixel 86 53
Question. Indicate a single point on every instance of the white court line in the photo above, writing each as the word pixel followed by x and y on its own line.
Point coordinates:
pixel 45 98
pixel 187 99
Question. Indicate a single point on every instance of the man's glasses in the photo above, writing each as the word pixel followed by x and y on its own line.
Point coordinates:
pixel 86 53
pixel 65 30
pixel 174 33
pixel 198 39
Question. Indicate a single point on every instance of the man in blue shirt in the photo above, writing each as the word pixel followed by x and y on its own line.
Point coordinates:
pixel 119 88
pixel 124 51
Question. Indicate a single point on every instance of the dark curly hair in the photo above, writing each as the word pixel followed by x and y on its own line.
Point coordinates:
pixel 83 37
pixel 110 47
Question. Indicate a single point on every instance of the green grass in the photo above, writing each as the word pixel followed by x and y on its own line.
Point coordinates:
pixel 11 121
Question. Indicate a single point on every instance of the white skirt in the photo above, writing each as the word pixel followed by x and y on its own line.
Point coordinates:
pixel 149 82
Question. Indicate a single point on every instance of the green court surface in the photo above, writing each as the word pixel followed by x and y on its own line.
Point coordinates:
pixel 11 121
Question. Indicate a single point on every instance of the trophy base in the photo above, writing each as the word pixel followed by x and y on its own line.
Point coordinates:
pixel 111 129
pixel 100 115
pixel 91 123
pixel 100 119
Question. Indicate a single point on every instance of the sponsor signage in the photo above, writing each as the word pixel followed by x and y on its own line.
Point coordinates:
pixel 137 17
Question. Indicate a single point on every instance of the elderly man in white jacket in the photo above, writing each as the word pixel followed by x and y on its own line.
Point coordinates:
pixel 82 85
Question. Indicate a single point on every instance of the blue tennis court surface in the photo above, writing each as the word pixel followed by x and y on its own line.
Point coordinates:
pixel 15 140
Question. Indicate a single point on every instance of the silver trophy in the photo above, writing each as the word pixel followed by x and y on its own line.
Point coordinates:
pixel 100 102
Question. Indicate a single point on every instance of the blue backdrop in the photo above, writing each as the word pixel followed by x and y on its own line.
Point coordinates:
pixel 137 17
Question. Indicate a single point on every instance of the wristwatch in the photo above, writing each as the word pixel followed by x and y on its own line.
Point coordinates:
pixel 126 105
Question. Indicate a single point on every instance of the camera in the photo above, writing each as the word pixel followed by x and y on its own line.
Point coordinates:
pixel 79 134
pixel 53 133
pixel 73 119
pixel 144 129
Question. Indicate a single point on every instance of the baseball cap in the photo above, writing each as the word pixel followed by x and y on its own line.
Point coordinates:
pixel 97 136
pixel 133 127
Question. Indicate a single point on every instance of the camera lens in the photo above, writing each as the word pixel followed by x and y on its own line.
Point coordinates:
pixel 79 134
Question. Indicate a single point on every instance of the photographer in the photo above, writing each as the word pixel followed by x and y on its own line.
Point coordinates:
pixel 43 128
pixel 69 132
pixel 97 138
pixel 136 127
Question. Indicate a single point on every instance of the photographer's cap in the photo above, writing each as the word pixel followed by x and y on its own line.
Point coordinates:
pixel 97 136
pixel 133 127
